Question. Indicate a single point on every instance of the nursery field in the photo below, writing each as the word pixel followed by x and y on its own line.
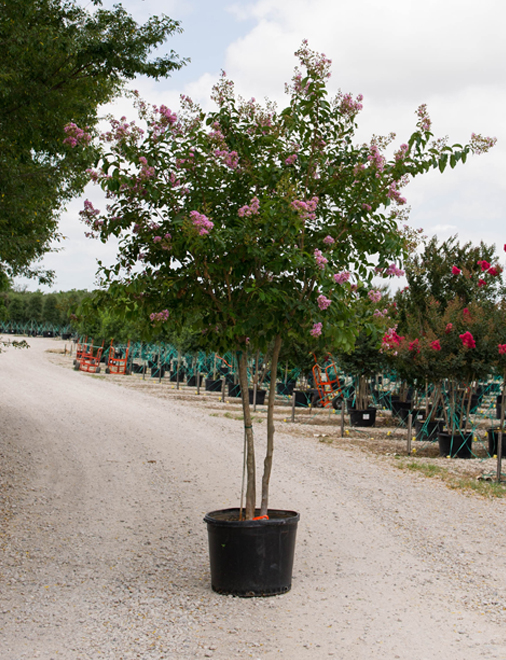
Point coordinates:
pixel 105 480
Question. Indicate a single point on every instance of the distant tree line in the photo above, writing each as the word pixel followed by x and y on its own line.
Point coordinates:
pixel 34 306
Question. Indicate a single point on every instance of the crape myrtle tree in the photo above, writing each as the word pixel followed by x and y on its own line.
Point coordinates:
pixel 255 218
pixel 59 63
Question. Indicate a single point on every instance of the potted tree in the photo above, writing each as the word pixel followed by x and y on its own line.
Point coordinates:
pixel 366 360
pixel 247 220
pixel 447 316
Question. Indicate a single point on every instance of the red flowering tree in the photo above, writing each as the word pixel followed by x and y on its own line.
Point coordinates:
pixel 247 222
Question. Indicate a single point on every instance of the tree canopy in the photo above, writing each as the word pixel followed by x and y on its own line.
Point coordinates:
pixel 59 63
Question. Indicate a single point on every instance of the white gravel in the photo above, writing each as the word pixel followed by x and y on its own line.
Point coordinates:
pixel 104 553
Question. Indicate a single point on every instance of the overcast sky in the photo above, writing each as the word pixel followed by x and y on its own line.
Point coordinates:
pixel 450 54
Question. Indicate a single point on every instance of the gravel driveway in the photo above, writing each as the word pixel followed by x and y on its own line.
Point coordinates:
pixel 104 553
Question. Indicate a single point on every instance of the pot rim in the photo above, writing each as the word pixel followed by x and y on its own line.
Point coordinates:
pixel 289 518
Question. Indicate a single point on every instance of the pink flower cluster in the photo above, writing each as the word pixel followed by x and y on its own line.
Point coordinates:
pixel 480 144
pixel 291 159
pixel 342 277
pixel 375 158
pixel 320 259
pixel 328 240
pixel 305 209
pixel 502 349
pixel 374 296
pixel 323 302
pixel 414 346
pixel 393 270
pixel 317 329
pixel 230 158
pixel 487 268
pixel 201 222
pixel 166 115
pixel 424 121
pixel 348 106
pixel 317 64
pixel 435 345
pixel 89 215
pixel 394 194
pixel 402 152
pixel 467 340
pixel 455 270
pixel 252 209
pixel 159 317
pixel 391 340
pixel 75 135
pixel 121 130
pixel 146 171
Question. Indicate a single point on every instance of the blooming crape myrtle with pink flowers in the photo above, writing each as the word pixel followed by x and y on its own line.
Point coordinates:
pixel 267 223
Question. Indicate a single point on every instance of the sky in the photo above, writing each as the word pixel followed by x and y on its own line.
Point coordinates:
pixel 449 54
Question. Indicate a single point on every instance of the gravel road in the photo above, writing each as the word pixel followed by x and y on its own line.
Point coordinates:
pixel 103 552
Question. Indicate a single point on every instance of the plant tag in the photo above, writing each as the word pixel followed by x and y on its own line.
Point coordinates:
pixel 365 416
pixel 419 416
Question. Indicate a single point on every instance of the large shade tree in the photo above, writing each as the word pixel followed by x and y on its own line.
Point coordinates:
pixel 59 63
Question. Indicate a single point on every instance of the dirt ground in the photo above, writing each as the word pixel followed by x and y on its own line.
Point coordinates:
pixel 104 482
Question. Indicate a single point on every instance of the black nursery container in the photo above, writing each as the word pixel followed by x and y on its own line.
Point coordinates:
pixel 234 390
pixel 192 381
pixel 285 389
pixel 493 439
pixel 458 445
pixel 251 557
pixel 363 417
pixel 428 431
pixel 303 398
pixel 498 406
pixel 174 378
pixel 213 385
pixel 260 398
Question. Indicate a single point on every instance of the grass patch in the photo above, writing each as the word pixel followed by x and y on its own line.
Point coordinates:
pixel 230 415
pixel 469 484
pixel 428 469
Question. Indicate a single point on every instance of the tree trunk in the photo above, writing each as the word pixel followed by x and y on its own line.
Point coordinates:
pixel 248 430
pixel 270 428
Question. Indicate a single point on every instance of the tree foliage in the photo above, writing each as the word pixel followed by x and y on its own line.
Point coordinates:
pixel 59 63
pixel 250 219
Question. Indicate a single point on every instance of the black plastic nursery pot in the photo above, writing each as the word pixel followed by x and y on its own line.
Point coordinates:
pixel 213 385
pixel 428 431
pixel 285 389
pixel 174 378
pixel 498 406
pixel 458 445
pixel 350 404
pixel 157 372
pixel 251 557
pixel 192 381
pixel 234 390
pixel 304 398
pixel 493 439
pixel 363 417
pixel 260 398
pixel 401 408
